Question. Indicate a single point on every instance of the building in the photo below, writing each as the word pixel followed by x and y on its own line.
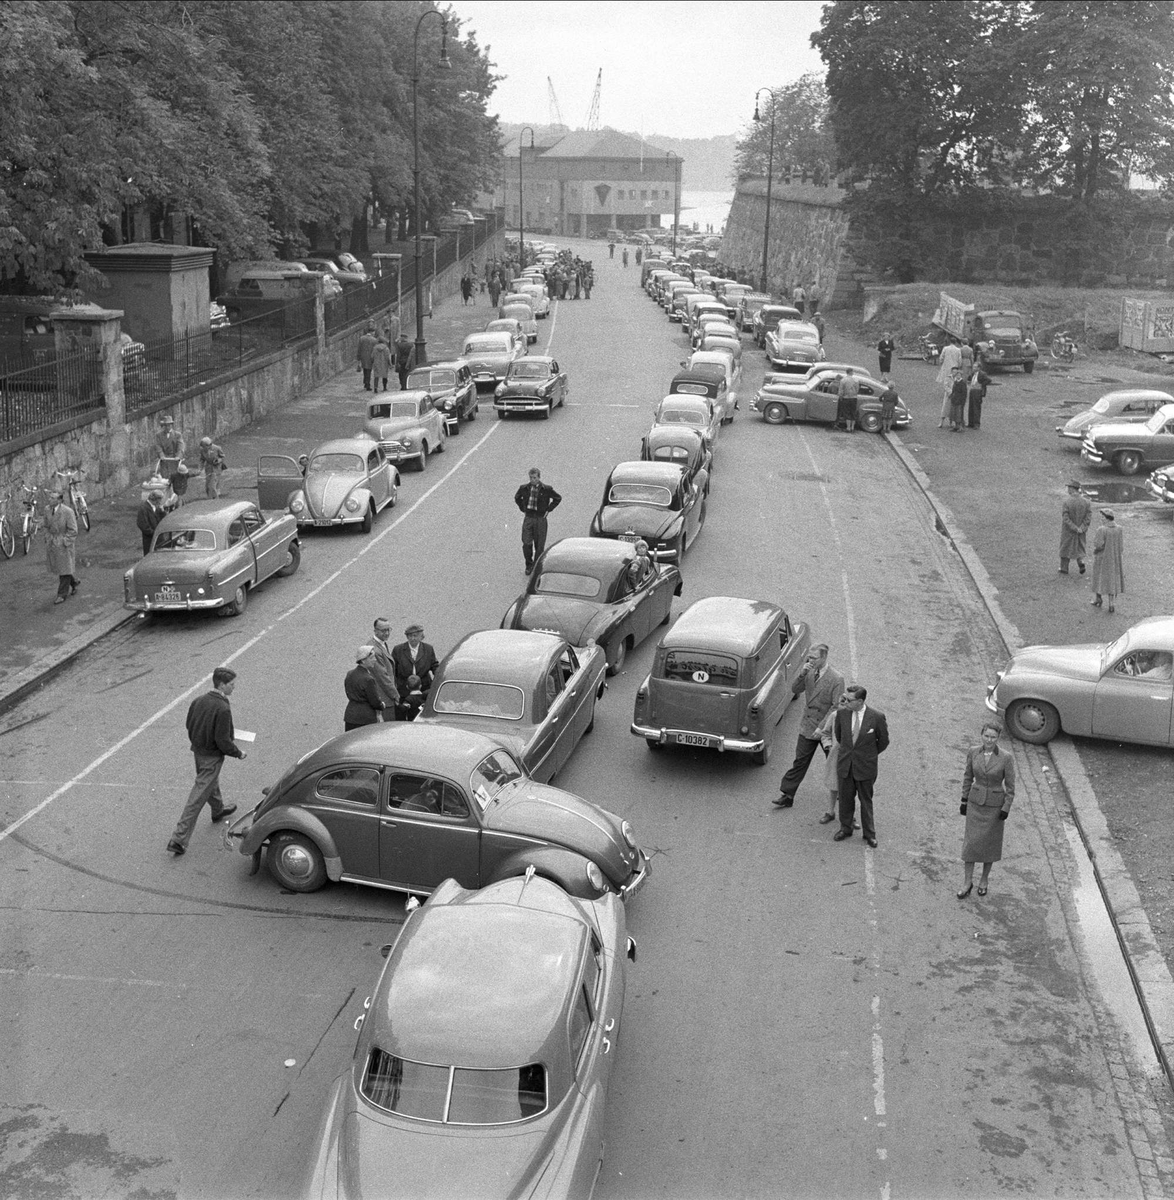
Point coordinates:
pixel 588 182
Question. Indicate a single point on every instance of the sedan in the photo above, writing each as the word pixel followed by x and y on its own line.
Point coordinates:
pixel 345 275
pixel 489 356
pixel 519 307
pixel 210 554
pixel 342 482
pixel 656 501
pixel 484 1051
pixel 451 386
pixel 767 318
pixel 1130 447
pixel 511 326
pixel 403 806
pixel 784 398
pixel 794 346
pixel 696 412
pixel 1122 689
pixel 596 591
pixel 534 384
pixel 533 693
pixel 408 425
pixel 1129 406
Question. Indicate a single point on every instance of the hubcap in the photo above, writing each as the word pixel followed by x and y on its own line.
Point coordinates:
pixel 1030 718
pixel 296 862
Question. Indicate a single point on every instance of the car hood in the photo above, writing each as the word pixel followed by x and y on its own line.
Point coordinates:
pixel 540 811
pixel 565 615
pixel 644 520
pixel 523 387
pixel 1077 423
pixel 325 497
pixel 1069 662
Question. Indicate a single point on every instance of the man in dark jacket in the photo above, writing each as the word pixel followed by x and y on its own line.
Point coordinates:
pixel 149 514
pixel 210 731
pixel 863 733
pixel 534 500
pixel 415 665
pixel 405 359
pixel 366 353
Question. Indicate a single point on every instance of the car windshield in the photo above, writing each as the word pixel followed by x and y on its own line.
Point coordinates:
pixel 454 1095
pixel 185 539
pixel 491 775
pixel 681 416
pixel 640 493
pixel 529 370
pixel 471 699
pixel 432 379
pixel 335 464
pixel 563 583
pixel 497 344
pixel 1157 421
pixel 700 666
pixel 503 325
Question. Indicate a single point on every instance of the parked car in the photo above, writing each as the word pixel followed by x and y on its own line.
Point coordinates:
pixel 692 411
pixel 767 319
pixel 534 384
pixel 489 356
pixel 345 481
pixel 708 323
pixel 1130 447
pixel 722 677
pixel 539 300
pixel 683 445
pixel 725 359
pixel 532 692
pixel 1126 407
pixel 1123 689
pixel 503 1009
pixel 591 592
pixel 749 304
pixel 731 295
pixel 453 391
pixel 1161 484
pixel 656 501
pixel 407 425
pixel 511 326
pixel 710 380
pixel 794 346
pixel 521 310
pixel 406 805
pixel 784 398
pixel 210 554
pixel 349 276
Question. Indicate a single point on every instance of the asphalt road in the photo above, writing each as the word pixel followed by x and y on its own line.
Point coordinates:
pixel 805 1018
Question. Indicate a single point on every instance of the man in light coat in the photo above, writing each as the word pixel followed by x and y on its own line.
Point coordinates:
pixel 821 687
pixel 60 536
pixel 383 668
pixel 1075 519
pixel 949 361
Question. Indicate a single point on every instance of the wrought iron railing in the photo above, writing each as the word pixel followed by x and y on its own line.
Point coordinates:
pixel 34 396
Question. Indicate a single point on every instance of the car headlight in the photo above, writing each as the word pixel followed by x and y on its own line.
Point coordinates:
pixel 297 505
pixel 499 390
pixel 595 878
pixel 448 405
pixel 352 504
pixel 405 443
pixel 629 836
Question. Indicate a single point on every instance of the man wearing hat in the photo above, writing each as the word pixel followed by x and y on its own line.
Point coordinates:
pixel 366 353
pixel 415 667
pixel 1075 518
pixel 363 702
pixel 1108 573
pixel 213 461
pixel 149 514
pixel 170 444
pixel 60 536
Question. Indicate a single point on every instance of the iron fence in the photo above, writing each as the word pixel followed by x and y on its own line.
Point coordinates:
pixel 34 397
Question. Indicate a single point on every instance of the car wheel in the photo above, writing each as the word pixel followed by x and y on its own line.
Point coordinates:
pixel 1128 462
pixel 293 562
pixel 1033 721
pixel 774 414
pixel 653 744
pixel 501 414
pixel 474 411
pixel 422 461
pixel 1029 366
pixel 761 757
pixel 870 422
pixel 440 445
pixel 617 654
pixel 238 603
pixel 296 863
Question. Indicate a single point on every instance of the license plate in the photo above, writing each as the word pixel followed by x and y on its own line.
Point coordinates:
pixel 692 739
pixel 326 523
pixel 167 596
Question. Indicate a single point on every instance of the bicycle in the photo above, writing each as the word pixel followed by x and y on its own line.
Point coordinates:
pixel 1064 347
pixel 930 350
pixel 29 522
pixel 74 496
pixel 7 535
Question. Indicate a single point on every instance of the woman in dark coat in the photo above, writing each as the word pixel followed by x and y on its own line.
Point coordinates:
pixel 364 702
pixel 988 787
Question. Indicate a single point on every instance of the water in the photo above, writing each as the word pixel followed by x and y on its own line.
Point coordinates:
pixel 704 209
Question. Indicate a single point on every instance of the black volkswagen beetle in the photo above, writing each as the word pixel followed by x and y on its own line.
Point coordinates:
pixel 656 501
pixel 683 445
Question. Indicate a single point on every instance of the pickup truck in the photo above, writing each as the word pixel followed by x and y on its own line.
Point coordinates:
pixel 999 337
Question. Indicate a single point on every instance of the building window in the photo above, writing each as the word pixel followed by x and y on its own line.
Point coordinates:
pixel 643 194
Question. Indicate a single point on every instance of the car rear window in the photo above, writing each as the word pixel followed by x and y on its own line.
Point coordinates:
pixel 336 464
pixel 701 666
pixel 562 583
pixel 496 343
pixel 640 493
pixel 480 700
pixel 433 379
pixel 185 539
pixel 454 1095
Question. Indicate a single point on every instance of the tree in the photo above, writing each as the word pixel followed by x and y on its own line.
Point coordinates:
pixel 803 139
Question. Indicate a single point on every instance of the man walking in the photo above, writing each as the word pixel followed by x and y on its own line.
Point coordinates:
pixel 60 536
pixel 799 298
pixel 821 686
pixel 381 364
pixel 405 360
pixel 1075 518
pixel 535 500
pixel 383 668
pixel 367 353
pixel 213 460
pixel 148 516
pixel 210 732
pixel 864 736
pixel 1108 571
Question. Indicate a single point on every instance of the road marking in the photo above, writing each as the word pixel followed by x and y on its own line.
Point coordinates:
pixel 124 981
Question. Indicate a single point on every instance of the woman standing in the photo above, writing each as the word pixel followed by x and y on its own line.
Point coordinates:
pixel 1108 573
pixel 364 703
pixel 988 787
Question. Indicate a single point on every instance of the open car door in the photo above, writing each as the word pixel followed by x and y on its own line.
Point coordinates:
pixel 278 477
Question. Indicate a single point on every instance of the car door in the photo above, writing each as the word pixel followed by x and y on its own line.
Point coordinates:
pixel 240 558
pixel 466 391
pixel 377 477
pixel 580 692
pixel 555 738
pixel 427 833
pixel 278 477
pixel 346 801
pixel 268 549
pixel 691 506
pixel 559 388
pixel 1160 451
pixel 822 400
pixel 1134 698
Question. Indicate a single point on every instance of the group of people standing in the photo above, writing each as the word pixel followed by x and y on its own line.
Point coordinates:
pixel 1108 571
pixel 389 683
pixel 569 277
pixel 964 386
pixel 383 350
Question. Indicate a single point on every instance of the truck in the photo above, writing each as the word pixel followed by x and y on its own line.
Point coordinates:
pixel 999 337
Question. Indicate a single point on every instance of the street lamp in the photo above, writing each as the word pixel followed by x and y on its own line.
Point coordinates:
pixel 770 163
pixel 676 198
pixel 522 199
pixel 421 350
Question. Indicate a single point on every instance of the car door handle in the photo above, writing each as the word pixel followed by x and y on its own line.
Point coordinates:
pixel 610 1025
pixel 607 1045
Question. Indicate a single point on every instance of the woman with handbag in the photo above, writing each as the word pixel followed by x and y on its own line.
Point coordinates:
pixel 988 787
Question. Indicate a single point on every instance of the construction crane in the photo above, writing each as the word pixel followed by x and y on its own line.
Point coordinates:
pixel 556 116
pixel 593 113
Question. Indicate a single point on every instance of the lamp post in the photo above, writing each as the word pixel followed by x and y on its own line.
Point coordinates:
pixel 676 199
pixel 421 348
pixel 522 199
pixel 770 164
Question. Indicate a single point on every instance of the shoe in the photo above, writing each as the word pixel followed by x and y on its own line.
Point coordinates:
pixel 841 834
pixel 1080 566
pixel 782 800
pixel 966 891
pixel 1061 571
pixel 175 848
pixel 1112 607
pixel 827 818
pixel 59 600
pixel 1096 603
pixel 226 811
pixel 981 890
pixel 73 587
pixel 871 842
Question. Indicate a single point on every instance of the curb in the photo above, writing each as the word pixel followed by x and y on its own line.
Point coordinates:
pixel 1152 980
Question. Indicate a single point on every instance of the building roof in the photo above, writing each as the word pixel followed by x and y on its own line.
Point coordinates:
pixel 593 143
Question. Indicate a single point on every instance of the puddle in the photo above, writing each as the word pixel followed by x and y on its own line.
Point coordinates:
pixel 1116 492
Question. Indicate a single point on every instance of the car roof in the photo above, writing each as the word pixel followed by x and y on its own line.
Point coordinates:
pixel 685 398
pixel 1126 394
pixel 675 435
pixel 361 444
pixel 587 553
pixel 501 655
pixel 450 364
pixel 806 327
pixel 533 358
pixel 501 336
pixel 208 514
pixel 723 623
pixel 413 394
pixel 642 471
pixel 440 749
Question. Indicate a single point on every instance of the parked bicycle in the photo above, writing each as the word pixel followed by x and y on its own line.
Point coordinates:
pixel 7 532
pixel 1064 347
pixel 74 496
pixel 30 520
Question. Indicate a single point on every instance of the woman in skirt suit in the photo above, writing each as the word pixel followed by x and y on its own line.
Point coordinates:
pixel 988 787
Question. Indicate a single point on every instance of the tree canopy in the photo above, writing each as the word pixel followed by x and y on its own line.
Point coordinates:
pixel 802 134
pixel 267 122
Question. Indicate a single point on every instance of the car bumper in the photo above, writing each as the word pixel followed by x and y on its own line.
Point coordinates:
pixel 1071 437
pixel 1162 489
pixel 521 403
pixel 639 879
pixel 394 454
pixel 991 699
pixel 712 741
pixel 328 522
pixel 1092 456
pixel 175 605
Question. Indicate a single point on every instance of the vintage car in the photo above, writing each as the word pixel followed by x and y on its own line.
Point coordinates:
pixel 702 304
pixel 679 310
pixel 726 360
pixel 683 445
pixel 593 591
pixel 748 304
pixel 511 326
pixel 451 386
pixel 351 274
pixel 534 384
pixel 710 380
pixel 1125 407
pixel 1123 690
pixel 656 501
pixel 1131 447
pixel 484 1051
pixel 722 677
pixel 408 425
pixel 539 300
pixel 211 554
pixel 519 307
pixel 694 412
pixel 718 337
pixel 794 346
pixel 489 356
pixel 731 295
pixel 711 323
pixel 784 398
pixel 1161 484
pixel 681 288
pixel 405 805
pixel 342 482
pixel 532 692
pixel 767 319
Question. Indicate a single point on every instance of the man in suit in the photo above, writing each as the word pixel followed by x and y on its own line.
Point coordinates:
pixel 383 668
pixel 149 514
pixel 864 736
pixel 415 665
pixel 821 687
pixel 535 499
